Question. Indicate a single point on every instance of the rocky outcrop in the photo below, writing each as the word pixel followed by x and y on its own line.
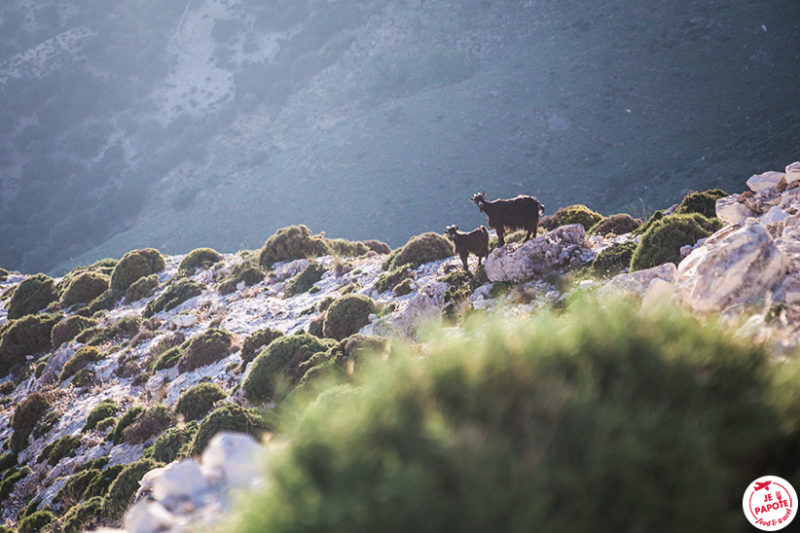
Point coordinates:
pixel 639 282
pixel 564 247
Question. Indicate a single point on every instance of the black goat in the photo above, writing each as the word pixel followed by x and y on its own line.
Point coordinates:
pixel 476 241
pixel 521 212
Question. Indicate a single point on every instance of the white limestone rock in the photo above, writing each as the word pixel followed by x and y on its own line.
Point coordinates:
pixel 639 282
pixel 733 209
pixel 775 214
pixel 793 173
pixel 762 183
pixel 233 459
pixel 147 517
pixel 179 482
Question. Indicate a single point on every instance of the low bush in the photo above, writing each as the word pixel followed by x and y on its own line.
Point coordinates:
pixel 617 224
pixel 316 325
pixel 662 242
pixel 29 335
pixel 389 280
pixel 173 444
pixel 46 423
pixel 104 302
pixel 342 357
pixel 204 349
pixel 152 421
pixel 104 266
pixel 84 356
pixel 347 315
pixel 704 203
pixel 460 287
pixel 103 410
pixel 11 479
pixel 655 217
pixel 84 288
pixel 257 341
pixel 58 449
pixel 378 247
pixel 168 359
pixel 292 242
pixel 31 507
pixel 345 248
pixel 612 410
pixel 403 288
pixel 141 288
pixel 7 461
pixel 68 328
pixel 35 522
pixel 246 273
pixel 85 377
pixel 83 517
pixel 276 369
pixel 199 258
pixel 304 280
pixel 572 214
pixel 32 295
pixel 176 294
pixel 131 415
pixel 26 415
pixel 419 250
pixel 196 402
pixel 74 489
pixel 124 487
pixel 229 417
pixel 613 259
pixel 100 484
pixel 134 265
pixel 4 274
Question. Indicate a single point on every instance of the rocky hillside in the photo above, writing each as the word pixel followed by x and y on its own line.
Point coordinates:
pixel 125 366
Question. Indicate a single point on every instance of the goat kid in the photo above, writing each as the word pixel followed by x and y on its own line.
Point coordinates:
pixel 476 242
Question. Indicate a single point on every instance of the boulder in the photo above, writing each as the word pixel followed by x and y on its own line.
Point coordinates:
pixel 775 214
pixel 736 266
pixel 147 517
pixel 561 248
pixel 761 183
pixel 639 282
pixel 178 482
pixel 733 209
pixel 658 293
pixel 793 173
pixel 233 459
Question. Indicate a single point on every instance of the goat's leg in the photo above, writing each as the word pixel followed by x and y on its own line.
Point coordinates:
pixel 464 257
pixel 500 239
pixel 528 236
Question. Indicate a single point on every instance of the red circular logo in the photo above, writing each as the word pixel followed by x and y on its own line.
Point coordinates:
pixel 770 503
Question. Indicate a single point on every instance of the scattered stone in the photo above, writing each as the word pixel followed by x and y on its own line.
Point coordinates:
pixel 639 282
pixel 733 209
pixel 764 182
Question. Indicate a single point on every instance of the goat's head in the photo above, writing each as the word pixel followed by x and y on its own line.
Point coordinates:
pixel 479 198
pixel 451 230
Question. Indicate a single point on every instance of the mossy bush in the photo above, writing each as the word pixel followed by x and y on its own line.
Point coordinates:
pixel 655 217
pixel 7 461
pixel 84 288
pixel 141 288
pixel 662 242
pixel 68 328
pixel 347 315
pixel 345 248
pixel 134 265
pixel 11 479
pixel 84 356
pixel 495 429
pixel 704 203
pixel 247 272
pixel 26 416
pixel 177 293
pixel 4 274
pixel 131 415
pixel 257 341
pixel 199 258
pixel 292 242
pixel 106 408
pixel 304 280
pixel 83 517
pixel 104 302
pixel 460 286
pixel 85 377
pixel 196 402
pixel 167 359
pixel 316 325
pixel 618 224
pixel 379 247
pixel 101 482
pixel 152 421
pixel 60 448
pixel 31 507
pixel 388 280
pixel 173 444
pixel 35 522
pixel 228 417
pixel 403 288
pixel 46 423
pixel 32 295
pixel 28 335
pixel 342 358
pixel 104 266
pixel 74 489
pixel 277 368
pixel 572 214
pixel 204 349
pixel 124 487
pixel 613 259
pixel 419 250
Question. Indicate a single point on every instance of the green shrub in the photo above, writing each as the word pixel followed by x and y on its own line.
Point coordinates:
pixel 130 416
pixel 701 202
pixel 204 349
pixel 229 417
pixel 84 356
pixel 11 479
pixel 345 248
pixel 46 423
pixel 151 422
pixel 84 288
pixel 68 328
pixel 74 489
pixel 196 402
pixel 256 341
pixel 292 242
pixel 4 274
pixel 134 265
pixel 304 280
pixel 26 415
pixel 379 247
pixel 58 449
pixel 419 250
pixel 104 266
pixel 403 288
pixel 172 444
pixel 83 517
pixel 168 359
pixel 103 410
pixel 141 288
pixel 31 507
pixel 106 423
pixel 246 273
pixel 199 257
pixel 176 294
pixel 572 214
pixel 460 286
pixel 389 280
pixel 124 487
pixel 32 295
pixel 655 217
pixel 608 409
pixel 83 378
pixel 617 224
pixel 316 325
pixel 100 484
pixel 277 367
pixel 342 357
pixel 662 242
pixel 7 461
pixel 347 315
pixel 29 335
pixel 104 302
pixel 613 259
pixel 35 522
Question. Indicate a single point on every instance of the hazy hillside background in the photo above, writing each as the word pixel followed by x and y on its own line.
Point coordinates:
pixel 177 124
